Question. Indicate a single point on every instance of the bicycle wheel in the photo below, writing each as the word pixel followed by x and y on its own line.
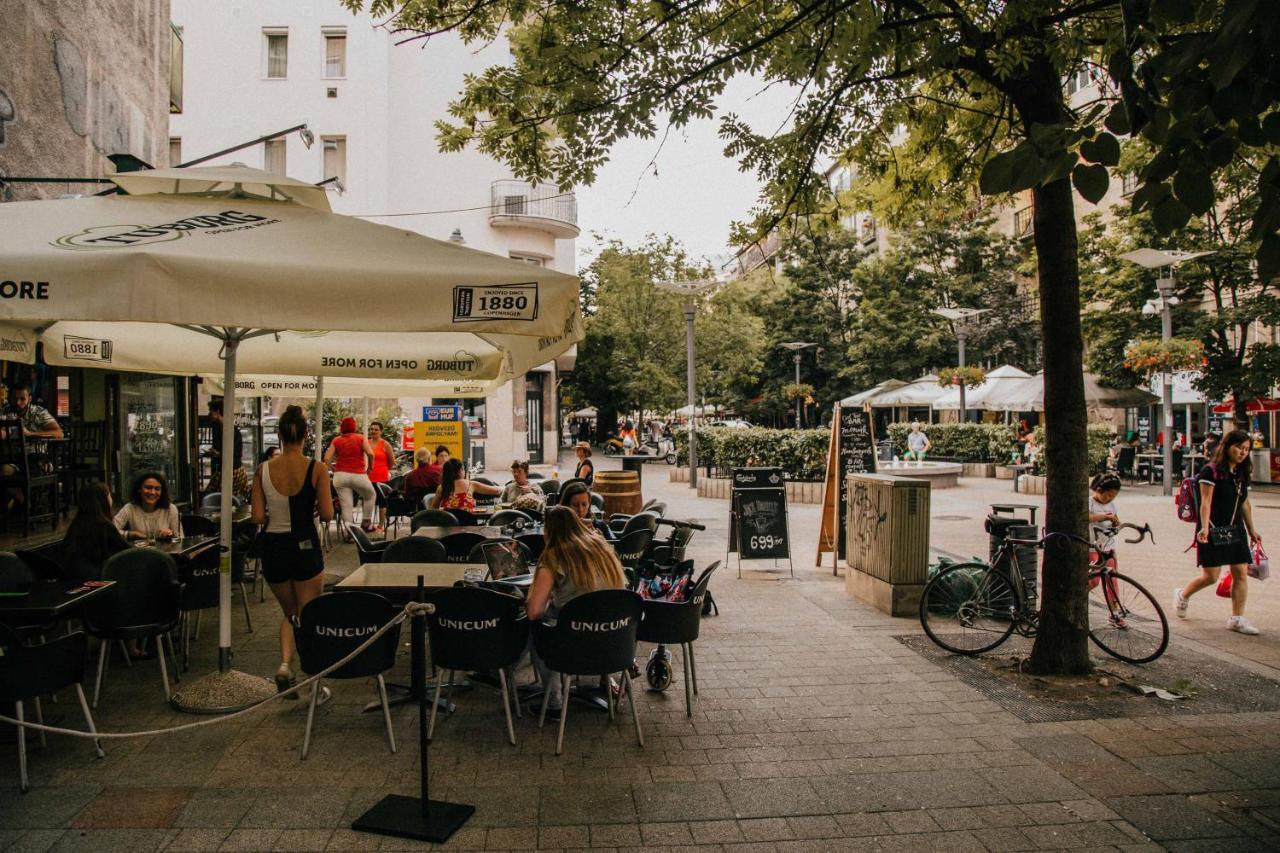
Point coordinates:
pixel 1125 621
pixel 968 608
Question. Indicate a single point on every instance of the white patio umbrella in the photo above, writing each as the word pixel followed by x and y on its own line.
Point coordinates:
pixel 340 387
pixel 240 265
pixel 866 396
pixel 975 398
pixel 1028 395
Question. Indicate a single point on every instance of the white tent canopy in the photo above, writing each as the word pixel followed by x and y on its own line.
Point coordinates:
pixel 697 411
pixel 1028 395
pixel 238 263
pixel 975 398
pixel 918 392
pixel 865 396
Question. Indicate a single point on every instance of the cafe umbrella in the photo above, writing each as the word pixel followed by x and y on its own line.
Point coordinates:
pixel 231 267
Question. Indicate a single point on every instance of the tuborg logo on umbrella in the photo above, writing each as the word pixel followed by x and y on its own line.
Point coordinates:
pixel 118 236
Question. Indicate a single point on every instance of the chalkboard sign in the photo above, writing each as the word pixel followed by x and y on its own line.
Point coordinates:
pixel 857 455
pixel 1144 429
pixel 758 515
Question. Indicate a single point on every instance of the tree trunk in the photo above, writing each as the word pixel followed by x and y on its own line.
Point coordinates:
pixel 1062 643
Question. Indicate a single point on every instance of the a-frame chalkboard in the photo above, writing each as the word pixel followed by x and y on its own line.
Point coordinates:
pixel 852 451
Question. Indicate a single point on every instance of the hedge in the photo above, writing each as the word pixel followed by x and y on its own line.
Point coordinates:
pixel 964 442
pixel 801 454
pixel 1099 446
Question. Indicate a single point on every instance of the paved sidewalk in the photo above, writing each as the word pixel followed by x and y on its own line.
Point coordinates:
pixel 816 729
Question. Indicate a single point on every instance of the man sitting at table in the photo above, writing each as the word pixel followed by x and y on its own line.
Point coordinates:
pixel 36 420
pixel 520 491
pixel 424 479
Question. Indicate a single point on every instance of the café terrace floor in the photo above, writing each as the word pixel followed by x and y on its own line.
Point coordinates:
pixel 816 729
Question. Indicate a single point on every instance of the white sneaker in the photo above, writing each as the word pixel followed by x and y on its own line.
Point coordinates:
pixel 1179 603
pixel 1241 625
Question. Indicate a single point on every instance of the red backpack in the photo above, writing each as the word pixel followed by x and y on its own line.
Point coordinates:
pixel 1187 500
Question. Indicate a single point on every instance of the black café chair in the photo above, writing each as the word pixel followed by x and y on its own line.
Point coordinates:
pixel 465 518
pixel 368 550
pixel 535 542
pixel 655 505
pixel 1125 463
pixel 399 506
pixel 213 501
pixel 594 635
pixel 632 547
pixel 643 520
pixel 503 517
pixel 415 549
pixel 550 488
pixel 144 603
pixel 29 672
pixel 677 623
pixel 16 578
pixel 476 554
pixel 199 525
pixel 333 626
pixel 432 518
pixel 473 629
pixel 199 577
pixel 459 545
pixel 28 470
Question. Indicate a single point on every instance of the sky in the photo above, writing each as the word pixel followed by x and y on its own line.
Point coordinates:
pixel 688 188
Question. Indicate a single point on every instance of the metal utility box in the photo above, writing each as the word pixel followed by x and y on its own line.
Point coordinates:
pixel 887 544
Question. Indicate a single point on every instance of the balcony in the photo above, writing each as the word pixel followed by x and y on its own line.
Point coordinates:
pixel 517 204
pixel 1023 222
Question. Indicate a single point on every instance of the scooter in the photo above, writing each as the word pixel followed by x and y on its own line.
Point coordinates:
pixel 664 447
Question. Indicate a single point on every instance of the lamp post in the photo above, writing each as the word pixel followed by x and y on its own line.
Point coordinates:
pixel 690 289
pixel 796 348
pixel 1164 260
pixel 958 317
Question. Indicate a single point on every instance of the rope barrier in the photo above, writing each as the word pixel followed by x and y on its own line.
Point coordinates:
pixel 410 610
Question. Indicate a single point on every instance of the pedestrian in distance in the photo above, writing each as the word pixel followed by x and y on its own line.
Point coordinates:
pixel 351 457
pixel 918 443
pixel 1224 528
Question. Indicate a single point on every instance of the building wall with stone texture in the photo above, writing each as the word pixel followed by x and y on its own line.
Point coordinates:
pixel 80 80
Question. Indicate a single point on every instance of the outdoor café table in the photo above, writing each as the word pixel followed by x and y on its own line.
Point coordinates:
pixel 1150 459
pixel 47 601
pixel 488 531
pixel 180 549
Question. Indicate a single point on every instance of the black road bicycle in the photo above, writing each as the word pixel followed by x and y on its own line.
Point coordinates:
pixel 970 608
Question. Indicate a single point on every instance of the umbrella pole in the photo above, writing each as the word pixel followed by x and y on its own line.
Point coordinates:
pixel 227 689
pixel 317 441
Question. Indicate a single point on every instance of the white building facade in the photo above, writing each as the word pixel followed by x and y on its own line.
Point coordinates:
pixel 256 68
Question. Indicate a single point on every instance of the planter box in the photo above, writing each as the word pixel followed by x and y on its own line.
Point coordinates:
pixel 798 492
pixel 1004 472
pixel 979 469
pixel 1030 484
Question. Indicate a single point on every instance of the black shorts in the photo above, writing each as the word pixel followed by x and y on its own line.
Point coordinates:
pixel 290 557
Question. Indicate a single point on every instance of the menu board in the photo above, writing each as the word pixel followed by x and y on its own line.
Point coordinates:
pixel 857 455
pixel 758 514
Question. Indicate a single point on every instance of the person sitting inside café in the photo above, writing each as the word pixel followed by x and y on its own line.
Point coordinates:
pixel 577 497
pixel 92 535
pixel 424 479
pixel 573 563
pixel 456 491
pixel 149 514
pixel 520 491
pixel 36 420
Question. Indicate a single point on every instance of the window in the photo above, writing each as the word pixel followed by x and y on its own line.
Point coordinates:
pixel 335 158
pixel 1128 183
pixel 1082 79
pixel 175 150
pixel 273 157
pixel 175 69
pixel 534 260
pixel 276 45
pixel 335 51
pixel 1023 222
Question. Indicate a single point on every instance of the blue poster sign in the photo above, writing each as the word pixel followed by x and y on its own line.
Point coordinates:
pixel 442 413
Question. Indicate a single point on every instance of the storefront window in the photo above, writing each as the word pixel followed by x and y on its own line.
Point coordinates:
pixel 148 423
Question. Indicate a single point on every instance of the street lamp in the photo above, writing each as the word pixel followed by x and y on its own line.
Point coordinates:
pixel 958 317
pixel 1164 260
pixel 689 289
pixel 797 347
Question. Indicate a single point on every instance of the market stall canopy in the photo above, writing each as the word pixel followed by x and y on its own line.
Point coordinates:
pixel 918 392
pixel 1256 406
pixel 697 411
pixel 865 396
pixel 1028 396
pixel 976 398
pixel 344 387
pixel 588 412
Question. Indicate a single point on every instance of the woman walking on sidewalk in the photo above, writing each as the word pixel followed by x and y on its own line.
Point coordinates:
pixel 1224 530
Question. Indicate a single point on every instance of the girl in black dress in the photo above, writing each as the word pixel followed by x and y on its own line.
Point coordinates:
pixel 1224 530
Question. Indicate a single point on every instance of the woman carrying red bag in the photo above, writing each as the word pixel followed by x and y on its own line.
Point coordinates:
pixel 1224 530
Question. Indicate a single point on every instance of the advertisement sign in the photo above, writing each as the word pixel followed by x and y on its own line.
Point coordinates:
pixel 432 434
pixel 442 413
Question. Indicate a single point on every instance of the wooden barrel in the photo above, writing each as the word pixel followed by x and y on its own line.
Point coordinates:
pixel 620 490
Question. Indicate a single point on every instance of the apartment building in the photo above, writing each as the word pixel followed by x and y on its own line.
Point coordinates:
pixel 253 69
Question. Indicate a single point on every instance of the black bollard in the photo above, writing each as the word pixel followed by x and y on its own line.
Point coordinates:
pixel 416 817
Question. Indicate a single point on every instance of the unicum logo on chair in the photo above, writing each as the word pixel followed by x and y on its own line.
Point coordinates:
pixel 468 624
pixel 120 236
pixel 353 632
pixel 600 627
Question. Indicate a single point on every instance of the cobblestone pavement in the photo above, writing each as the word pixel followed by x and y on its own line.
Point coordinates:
pixel 815 730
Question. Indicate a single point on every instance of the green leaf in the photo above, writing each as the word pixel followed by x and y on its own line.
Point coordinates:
pixel 1231 102
pixel 1059 167
pixel 1150 194
pixel 1271 127
pixel 1250 132
pixel 1090 181
pixel 1269 257
pixel 1221 150
pixel 1102 149
pixel 1117 120
pixel 1193 186
pixel 1174 11
pixel 1010 171
pixel 1170 215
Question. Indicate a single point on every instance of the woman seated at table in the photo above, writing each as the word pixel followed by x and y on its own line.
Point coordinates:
pixel 520 491
pixel 456 491
pixel 149 514
pixel 92 535
pixel 573 563
pixel 577 497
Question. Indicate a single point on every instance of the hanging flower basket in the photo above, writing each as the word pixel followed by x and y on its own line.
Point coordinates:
pixel 972 377
pixel 802 391
pixel 1155 356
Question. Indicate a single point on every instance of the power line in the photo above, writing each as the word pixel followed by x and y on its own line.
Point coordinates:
pixel 453 210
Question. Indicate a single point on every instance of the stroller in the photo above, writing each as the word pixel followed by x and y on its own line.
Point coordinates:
pixel 666 575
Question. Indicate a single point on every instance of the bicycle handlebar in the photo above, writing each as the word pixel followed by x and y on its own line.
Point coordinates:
pixel 674 522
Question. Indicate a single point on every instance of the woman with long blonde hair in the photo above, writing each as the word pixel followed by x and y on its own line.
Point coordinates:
pixel 574 561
